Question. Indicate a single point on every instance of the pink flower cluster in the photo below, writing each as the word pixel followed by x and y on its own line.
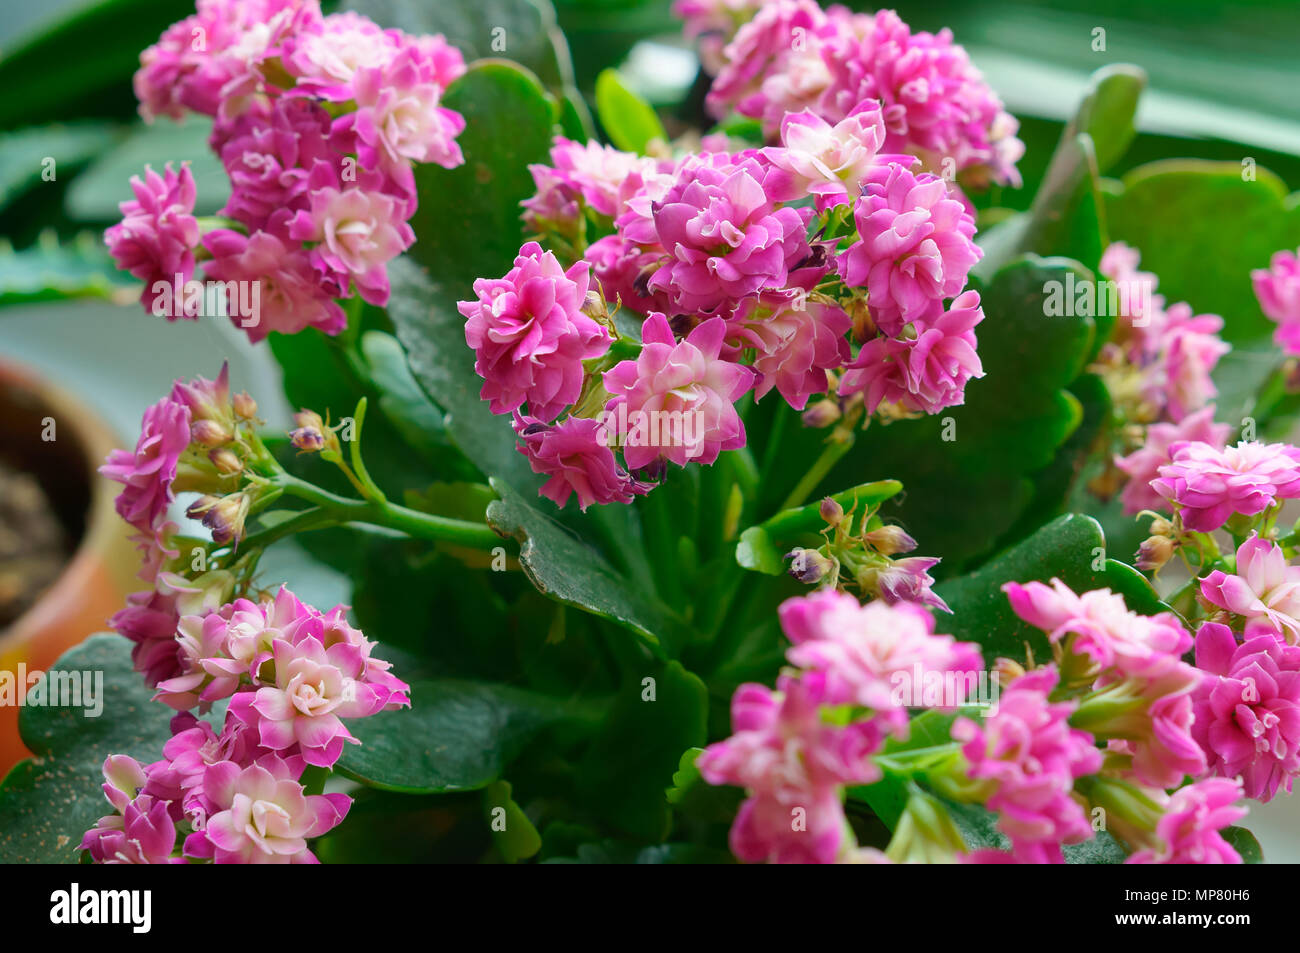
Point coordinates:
pixel 1188 830
pixel 318 121
pixel 1031 757
pixel 292 673
pixel 793 56
pixel 792 758
pixel 1142 688
pixel 1206 485
pixel 712 23
pixel 1161 358
pixel 1264 591
pixel 1278 289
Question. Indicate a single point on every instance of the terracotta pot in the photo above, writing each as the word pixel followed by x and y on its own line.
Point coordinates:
pixel 95 580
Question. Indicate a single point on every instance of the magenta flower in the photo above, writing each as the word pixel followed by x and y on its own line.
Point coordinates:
pixel 1032 757
pixel 576 455
pixel 683 386
pixel 1248 709
pixel 871 655
pixel 1143 464
pixel 1188 833
pixel 1190 349
pixel 147 474
pixel 724 236
pixel 712 23
pixel 262 816
pixel 1278 290
pixel 601 175
pixel 916 247
pixel 531 336
pixel 143 833
pixel 1207 485
pixel 156 238
pixel 291 296
pixel 1265 590
pixel 795 341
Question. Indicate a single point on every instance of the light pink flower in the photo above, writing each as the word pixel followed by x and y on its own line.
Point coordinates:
pixel 1208 484
pixel 577 457
pixel 686 378
pixel 916 246
pixel 712 23
pixel 1265 590
pixel 1190 350
pixel 828 162
pixel 1278 290
pixel 531 336
pixel 866 653
pixel 1032 757
pixel 1248 709
pixel 399 118
pixel 1188 833
pixel 147 473
pixel 796 342
pixel 156 238
pixel 1143 464
pixel 262 816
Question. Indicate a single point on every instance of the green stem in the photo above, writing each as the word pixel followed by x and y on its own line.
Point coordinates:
pixel 390 515
pixel 834 451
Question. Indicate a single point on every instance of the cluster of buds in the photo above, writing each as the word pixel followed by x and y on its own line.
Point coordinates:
pixel 866 560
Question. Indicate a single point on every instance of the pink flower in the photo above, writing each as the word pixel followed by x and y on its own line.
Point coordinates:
pixel 399 119
pixel 725 238
pixel 689 382
pixel 827 161
pixel 1190 349
pixel 796 343
pixel 793 764
pixel 927 373
pixel 359 229
pixel 916 247
pixel 1143 464
pixel 712 24
pixel 1032 757
pixel 1141 310
pixel 262 816
pixel 156 238
pixel 1248 709
pixel 1207 484
pixel 291 296
pixel 1100 625
pixel 147 474
pixel 576 455
pixel 599 174
pixel 142 834
pixel 531 336
pixel 1278 290
pixel 1265 590
pixel 1188 833
pixel 623 268
pixel 869 654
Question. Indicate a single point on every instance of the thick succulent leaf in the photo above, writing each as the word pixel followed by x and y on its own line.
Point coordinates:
pixel 629 120
pixel 51 270
pixel 46 153
pixel 48 802
pixel 1071 548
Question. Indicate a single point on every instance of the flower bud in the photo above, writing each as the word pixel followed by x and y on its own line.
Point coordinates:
pixel 1006 671
pixel 210 433
pixel 810 566
pixel 888 540
pixel 245 406
pixel 226 518
pixel 820 414
pixel 309 436
pixel 1161 527
pixel 1154 552
pixel 831 511
pixel 226 460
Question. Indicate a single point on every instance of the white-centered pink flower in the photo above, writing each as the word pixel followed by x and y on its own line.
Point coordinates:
pixel 1265 590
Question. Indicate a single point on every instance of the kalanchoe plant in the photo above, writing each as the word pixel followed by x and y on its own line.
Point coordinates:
pixel 762 493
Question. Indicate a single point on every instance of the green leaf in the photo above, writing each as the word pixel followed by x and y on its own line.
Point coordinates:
pixel 1067 548
pixel 568 570
pixel 630 121
pixel 48 802
pixel 456 736
pixel 50 270
pixel 762 548
pixel 25 154
pixel 512 831
pixel 1107 111
pixel 1244 843
pixel 94 195
pixel 654 718
pixel 978 828
pixel 523 30
pixel 616 852
pixel 968 471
